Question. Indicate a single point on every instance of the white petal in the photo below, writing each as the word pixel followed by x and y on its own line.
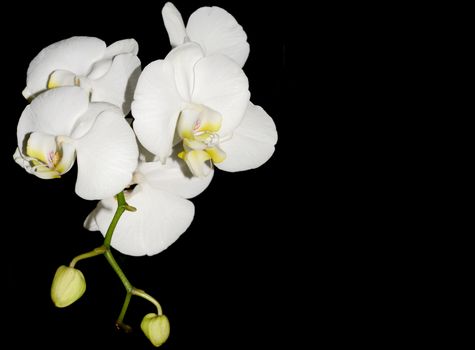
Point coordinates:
pixel 54 112
pixel 57 110
pixel 160 219
pixel 218 33
pixel 184 59
pixel 174 24
pixel 118 84
pixel 252 143
pixel 99 69
pixel 221 84
pixel 107 155
pixel 26 124
pixel 121 47
pixel 87 119
pixel 156 108
pixel 76 54
pixel 145 155
pixel 173 177
pixel 90 223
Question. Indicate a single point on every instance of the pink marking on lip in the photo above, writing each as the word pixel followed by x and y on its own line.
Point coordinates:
pixel 50 159
pixel 197 125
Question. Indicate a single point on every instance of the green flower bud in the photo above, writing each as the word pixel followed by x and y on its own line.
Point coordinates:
pixel 68 286
pixel 156 328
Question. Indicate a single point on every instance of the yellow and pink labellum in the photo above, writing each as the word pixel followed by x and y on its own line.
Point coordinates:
pixel 48 155
pixel 198 126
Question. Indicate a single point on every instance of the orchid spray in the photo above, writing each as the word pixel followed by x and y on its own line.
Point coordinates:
pixel 190 114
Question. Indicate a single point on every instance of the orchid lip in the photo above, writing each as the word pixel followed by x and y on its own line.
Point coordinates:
pixel 198 126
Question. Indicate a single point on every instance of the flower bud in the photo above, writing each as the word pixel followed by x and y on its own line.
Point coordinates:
pixel 68 286
pixel 156 328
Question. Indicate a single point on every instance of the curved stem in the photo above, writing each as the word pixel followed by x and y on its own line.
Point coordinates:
pixel 148 297
pixel 128 287
pixel 97 251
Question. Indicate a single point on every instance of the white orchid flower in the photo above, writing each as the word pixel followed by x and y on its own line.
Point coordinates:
pixel 109 74
pixel 213 28
pixel 202 101
pixel 162 215
pixel 61 125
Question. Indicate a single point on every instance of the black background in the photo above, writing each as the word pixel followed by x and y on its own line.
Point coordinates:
pixel 230 280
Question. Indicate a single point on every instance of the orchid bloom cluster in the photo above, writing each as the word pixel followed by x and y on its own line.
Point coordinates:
pixel 191 113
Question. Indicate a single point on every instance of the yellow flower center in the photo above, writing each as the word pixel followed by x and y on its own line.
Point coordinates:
pixel 198 126
pixel 48 156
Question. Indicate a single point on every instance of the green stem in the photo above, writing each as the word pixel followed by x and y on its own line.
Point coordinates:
pixel 120 210
pixel 121 207
pixel 97 251
pixel 120 321
pixel 118 270
pixel 128 287
pixel 148 297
